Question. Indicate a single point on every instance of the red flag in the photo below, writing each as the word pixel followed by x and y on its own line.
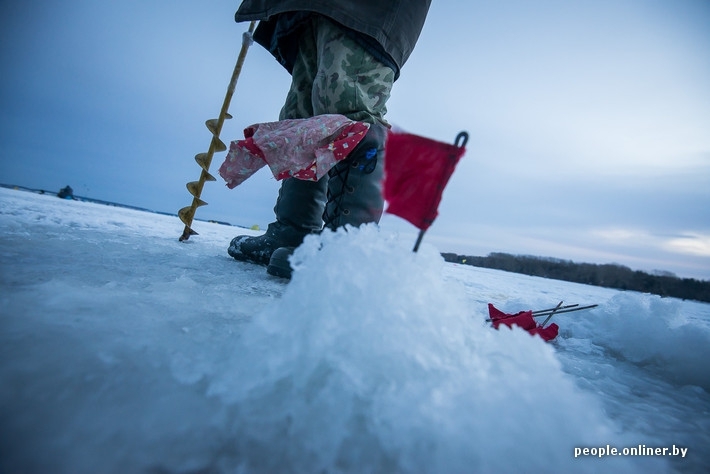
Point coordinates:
pixel 417 170
pixel 525 320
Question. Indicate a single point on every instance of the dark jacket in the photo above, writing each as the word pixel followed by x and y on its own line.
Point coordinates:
pixel 394 25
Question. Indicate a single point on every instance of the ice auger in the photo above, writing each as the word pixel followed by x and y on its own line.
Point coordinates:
pixel 187 214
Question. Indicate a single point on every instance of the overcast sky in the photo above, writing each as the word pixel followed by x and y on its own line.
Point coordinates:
pixel 589 120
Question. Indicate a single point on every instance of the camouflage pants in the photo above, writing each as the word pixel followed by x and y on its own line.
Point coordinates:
pixel 333 74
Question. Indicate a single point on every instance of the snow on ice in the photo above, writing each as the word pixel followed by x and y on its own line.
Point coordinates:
pixel 124 350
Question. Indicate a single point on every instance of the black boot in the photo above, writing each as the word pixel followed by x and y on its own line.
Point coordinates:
pixel 298 210
pixel 355 184
pixel 258 249
pixel 354 193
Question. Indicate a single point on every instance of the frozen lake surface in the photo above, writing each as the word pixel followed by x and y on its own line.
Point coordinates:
pixel 124 350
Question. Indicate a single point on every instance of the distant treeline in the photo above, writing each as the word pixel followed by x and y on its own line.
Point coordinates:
pixel 606 275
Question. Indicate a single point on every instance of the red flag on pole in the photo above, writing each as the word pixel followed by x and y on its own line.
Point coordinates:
pixel 417 170
pixel 523 319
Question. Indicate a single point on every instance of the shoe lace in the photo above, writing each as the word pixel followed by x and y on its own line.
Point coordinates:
pixel 341 173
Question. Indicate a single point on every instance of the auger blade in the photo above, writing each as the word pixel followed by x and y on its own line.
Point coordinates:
pixel 194 188
pixel 213 126
pixel 186 233
pixel 218 145
pixel 186 214
pixel 204 160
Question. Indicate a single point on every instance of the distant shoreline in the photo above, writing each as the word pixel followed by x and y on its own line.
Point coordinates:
pixel 609 275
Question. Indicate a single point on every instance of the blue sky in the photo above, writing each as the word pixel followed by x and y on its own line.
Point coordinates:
pixel 589 120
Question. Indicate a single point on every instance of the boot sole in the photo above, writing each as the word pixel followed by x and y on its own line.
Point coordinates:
pixel 277 269
pixel 240 257
pixel 279 265
pixel 237 254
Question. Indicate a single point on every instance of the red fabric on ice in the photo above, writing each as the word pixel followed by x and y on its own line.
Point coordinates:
pixel 548 333
pixel 301 148
pixel 525 320
pixel 417 170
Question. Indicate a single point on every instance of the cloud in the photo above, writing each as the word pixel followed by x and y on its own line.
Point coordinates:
pixel 622 236
pixel 691 243
pixel 686 243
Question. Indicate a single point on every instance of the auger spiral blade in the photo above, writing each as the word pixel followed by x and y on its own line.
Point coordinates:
pixel 194 188
pixel 213 126
pixel 186 214
pixel 218 145
pixel 204 160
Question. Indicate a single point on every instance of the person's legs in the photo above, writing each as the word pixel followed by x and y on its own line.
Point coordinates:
pixel 350 82
pixel 299 206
